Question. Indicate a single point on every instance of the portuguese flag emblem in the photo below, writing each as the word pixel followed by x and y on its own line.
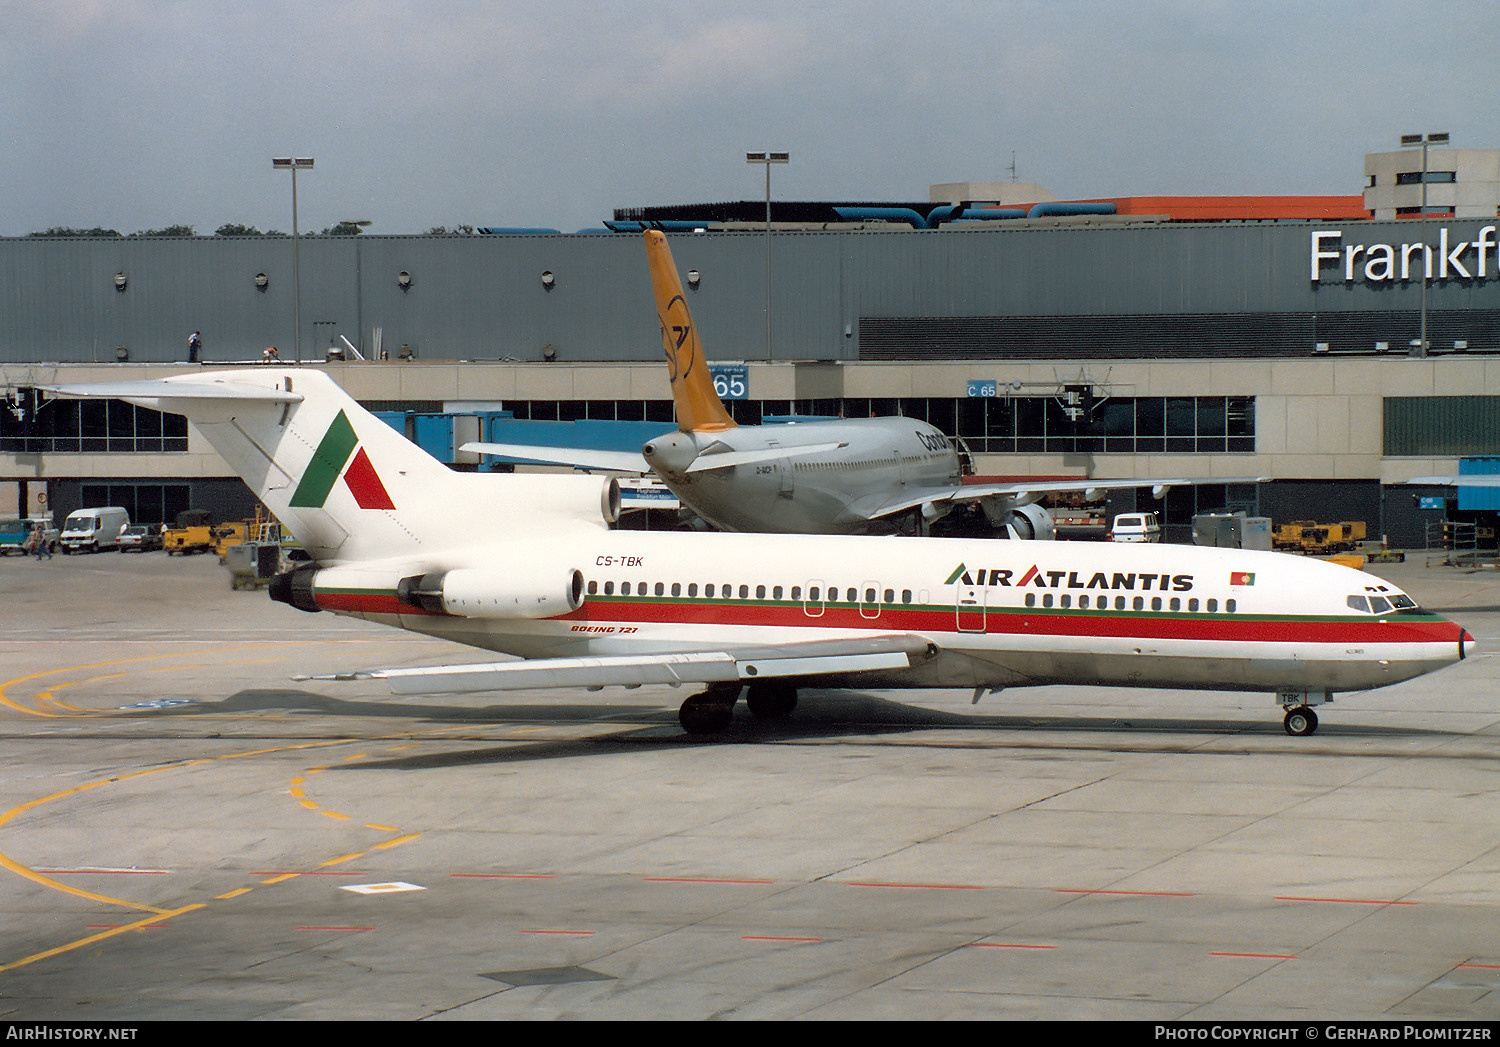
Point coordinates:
pixel 339 456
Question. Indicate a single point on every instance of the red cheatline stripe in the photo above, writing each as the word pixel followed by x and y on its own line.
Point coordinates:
pixel 1032 622
pixel 1029 622
pixel 1343 901
pixel 364 602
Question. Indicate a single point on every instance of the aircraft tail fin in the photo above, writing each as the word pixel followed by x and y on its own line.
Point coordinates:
pixel 346 484
pixel 699 409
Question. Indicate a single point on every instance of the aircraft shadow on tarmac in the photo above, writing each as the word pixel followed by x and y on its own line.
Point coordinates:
pixel 821 716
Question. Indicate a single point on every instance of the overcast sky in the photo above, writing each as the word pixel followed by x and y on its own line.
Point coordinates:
pixel 139 114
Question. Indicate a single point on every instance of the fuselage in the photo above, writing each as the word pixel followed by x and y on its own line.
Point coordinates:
pixel 1000 613
pixel 805 493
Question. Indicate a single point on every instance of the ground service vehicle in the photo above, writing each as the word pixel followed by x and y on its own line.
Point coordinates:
pixel 1135 527
pixel 190 533
pixel 89 530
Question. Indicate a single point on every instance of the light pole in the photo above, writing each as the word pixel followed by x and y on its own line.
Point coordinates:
pixel 1410 142
pixel 360 225
pixel 768 159
pixel 294 164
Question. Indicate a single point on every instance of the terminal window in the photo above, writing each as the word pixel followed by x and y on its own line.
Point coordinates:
pixel 92 427
pixel 992 425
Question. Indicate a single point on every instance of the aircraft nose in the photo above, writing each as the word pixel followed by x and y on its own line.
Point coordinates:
pixel 1465 643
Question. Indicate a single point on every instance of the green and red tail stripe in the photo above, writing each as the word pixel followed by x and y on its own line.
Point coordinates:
pixel 339 449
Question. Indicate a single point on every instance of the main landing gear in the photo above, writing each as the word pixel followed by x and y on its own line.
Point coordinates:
pixel 712 710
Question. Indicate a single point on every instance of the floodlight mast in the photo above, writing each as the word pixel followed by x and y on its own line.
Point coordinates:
pixel 294 164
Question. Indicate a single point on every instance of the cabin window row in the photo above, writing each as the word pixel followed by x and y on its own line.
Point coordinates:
pixel 873 595
pixel 1190 604
pixel 728 591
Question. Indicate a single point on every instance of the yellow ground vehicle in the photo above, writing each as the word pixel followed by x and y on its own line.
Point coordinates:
pixel 230 534
pixel 190 533
pixel 1305 536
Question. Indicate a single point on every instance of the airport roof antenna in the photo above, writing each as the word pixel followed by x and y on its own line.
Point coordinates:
pixel 294 164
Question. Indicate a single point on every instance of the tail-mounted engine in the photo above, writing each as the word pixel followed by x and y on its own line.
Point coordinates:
pixel 523 592
pixel 295 587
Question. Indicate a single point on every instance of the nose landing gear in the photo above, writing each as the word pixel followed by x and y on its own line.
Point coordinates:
pixel 1300 722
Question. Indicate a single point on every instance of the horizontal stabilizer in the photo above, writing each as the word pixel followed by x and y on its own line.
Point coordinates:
pixel 165 388
pixel 883 651
pixel 577 457
pixel 728 459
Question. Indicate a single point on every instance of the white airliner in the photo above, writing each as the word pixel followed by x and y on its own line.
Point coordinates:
pixel 854 476
pixel 528 566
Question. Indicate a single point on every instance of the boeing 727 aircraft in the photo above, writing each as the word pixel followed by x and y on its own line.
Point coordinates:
pixel 856 476
pixel 390 531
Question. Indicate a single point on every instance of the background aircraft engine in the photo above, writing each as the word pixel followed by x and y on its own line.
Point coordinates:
pixel 525 591
pixel 1024 521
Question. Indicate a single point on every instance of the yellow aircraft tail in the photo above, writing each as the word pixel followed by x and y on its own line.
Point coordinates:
pixel 699 409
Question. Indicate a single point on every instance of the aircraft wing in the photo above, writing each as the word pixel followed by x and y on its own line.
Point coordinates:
pixel 1024 492
pixel 577 457
pixel 749 662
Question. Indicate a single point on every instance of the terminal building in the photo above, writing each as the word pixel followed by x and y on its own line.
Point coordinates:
pixel 1340 345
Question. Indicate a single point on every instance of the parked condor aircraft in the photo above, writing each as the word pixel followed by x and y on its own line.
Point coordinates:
pixel 856 476
pixel 390 531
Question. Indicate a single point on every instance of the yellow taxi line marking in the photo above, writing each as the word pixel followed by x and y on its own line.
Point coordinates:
pixel 8 702
pixel 155 918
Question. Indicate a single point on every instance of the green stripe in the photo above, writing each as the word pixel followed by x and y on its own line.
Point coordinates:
pixel 327 464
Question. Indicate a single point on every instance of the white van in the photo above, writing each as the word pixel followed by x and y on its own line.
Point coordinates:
pixel 1135 527
pixel 94 529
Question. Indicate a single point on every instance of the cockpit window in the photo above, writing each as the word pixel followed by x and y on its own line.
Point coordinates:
pixel 1379 604
pixel 1402 603
pixel 1359 603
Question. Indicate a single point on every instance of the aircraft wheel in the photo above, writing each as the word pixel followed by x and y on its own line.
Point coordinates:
pixel 709 712
pixel 1300 722
pixel 771 699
